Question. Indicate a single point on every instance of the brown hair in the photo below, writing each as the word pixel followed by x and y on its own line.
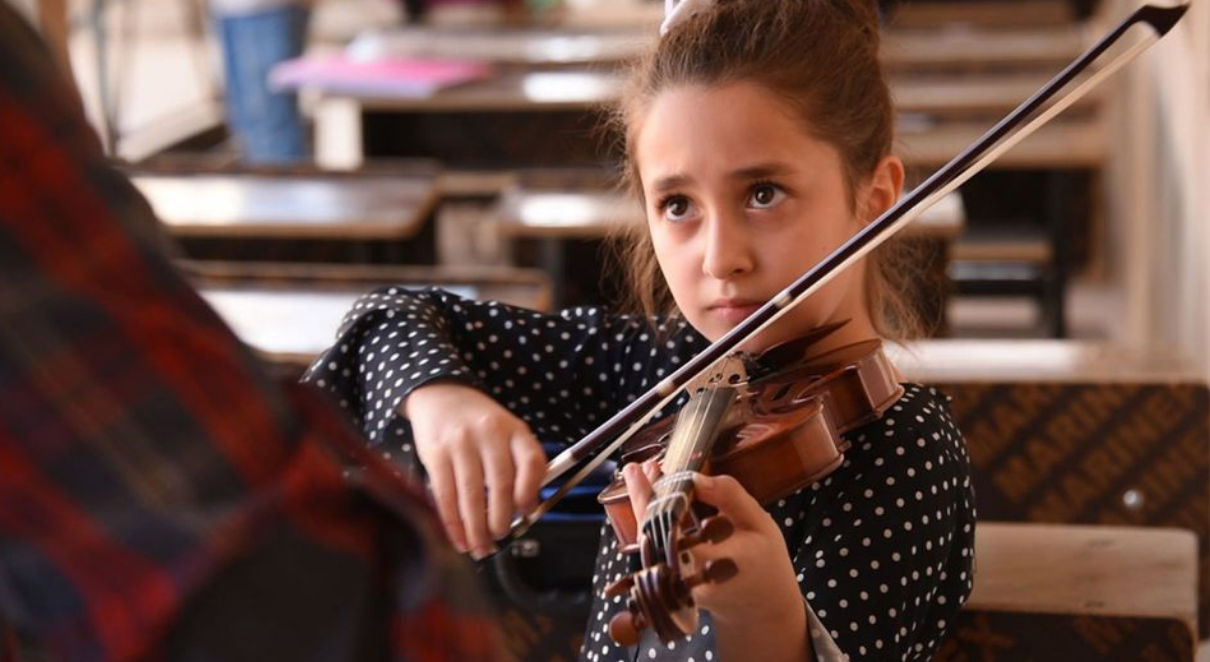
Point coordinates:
pixel 820 57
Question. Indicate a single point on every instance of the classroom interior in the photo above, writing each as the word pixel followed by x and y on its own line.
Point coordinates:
pixel 1068 287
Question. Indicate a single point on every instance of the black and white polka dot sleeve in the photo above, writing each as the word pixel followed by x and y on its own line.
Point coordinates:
pixel 560 373
pixel 884 546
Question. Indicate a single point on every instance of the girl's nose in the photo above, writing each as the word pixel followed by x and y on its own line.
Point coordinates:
pixel 728 252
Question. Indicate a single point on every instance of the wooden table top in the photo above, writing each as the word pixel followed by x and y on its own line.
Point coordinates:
pixel 967 47
pixel 959 45
pixel 986 13
pixel 639 14
pixel 570 213
pixel 1079 142
pixel 998 360
pixel 293 206
pixel 1073 569
pixel 291 313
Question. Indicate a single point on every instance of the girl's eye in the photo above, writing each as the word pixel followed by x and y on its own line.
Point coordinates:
pixel 765 196
pixel 676 208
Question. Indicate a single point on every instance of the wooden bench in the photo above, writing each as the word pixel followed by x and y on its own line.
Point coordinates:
pixel 1065 592
pixel 289 313
pixel 1079 433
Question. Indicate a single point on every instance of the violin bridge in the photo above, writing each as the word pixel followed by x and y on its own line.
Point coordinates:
pixel 731 370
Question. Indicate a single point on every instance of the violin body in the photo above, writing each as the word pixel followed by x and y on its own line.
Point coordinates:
pixel 784 431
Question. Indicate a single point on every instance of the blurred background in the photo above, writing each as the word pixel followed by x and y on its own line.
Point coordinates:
pixel 303 152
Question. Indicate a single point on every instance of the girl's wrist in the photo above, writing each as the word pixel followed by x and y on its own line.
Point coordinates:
pixel 782 636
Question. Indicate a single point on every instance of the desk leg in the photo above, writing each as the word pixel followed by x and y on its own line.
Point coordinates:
pixel 52 15
pixel 97 17
pixel 338 134
pixel 553 259
pixel 1054 287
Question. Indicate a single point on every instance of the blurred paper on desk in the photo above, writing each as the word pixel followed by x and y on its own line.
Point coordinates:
pixel 395 77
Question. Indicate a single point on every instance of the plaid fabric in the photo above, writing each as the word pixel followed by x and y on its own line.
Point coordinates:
pixel 160 498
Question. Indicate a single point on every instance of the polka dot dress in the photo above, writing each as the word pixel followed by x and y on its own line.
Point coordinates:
pixel 883 547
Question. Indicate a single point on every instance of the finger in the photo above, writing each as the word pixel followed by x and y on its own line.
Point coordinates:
pixel 530 461
pixel 445 495
pixel 472 501
pixel 651 469
pixel 731 499
pixel 499 472
pixel 638 488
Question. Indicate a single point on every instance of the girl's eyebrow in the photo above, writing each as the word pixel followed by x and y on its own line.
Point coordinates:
pixel 670 182
pixel 757 171
pixel 762 171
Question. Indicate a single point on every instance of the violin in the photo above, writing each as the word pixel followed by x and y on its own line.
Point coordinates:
pixel 776 426
pixel 782 431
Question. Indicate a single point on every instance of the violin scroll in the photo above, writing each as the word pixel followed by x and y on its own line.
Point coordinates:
pixel 657 600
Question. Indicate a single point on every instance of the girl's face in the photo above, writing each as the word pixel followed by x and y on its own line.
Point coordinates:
pixel 740 202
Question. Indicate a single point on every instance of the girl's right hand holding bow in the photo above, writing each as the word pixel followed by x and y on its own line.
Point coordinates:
pixel 484 464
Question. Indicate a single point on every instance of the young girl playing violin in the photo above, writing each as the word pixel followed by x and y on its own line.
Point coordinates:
pixel 758 137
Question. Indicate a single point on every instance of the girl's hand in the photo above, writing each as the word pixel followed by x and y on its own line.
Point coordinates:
pixel 484 464
pixel 760 608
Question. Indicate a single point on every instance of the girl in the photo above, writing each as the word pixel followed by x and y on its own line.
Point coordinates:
pixel 758 137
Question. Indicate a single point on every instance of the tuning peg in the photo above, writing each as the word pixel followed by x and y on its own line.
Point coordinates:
pixel 715 529
pixel 624 628
pixel 620 587
pixel 715 572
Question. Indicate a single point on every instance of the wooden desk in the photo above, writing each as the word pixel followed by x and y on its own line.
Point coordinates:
pixel 964 46
pixel 546 119
pixel 967 48
pixel 335 207
pixel 507 46
pixel 290 313
pixel 1079 433
pixel 1064 144
pixel 639 15
pixel 1050 592
pixel 987 96
pixel 976 361
pixel 995 14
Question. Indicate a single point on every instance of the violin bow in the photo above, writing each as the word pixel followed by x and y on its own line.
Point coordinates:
pixel 599 444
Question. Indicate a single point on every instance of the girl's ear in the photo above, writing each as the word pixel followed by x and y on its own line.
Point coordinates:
pixel 885 187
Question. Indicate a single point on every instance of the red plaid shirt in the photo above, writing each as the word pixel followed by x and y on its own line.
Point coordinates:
pixel 160 498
